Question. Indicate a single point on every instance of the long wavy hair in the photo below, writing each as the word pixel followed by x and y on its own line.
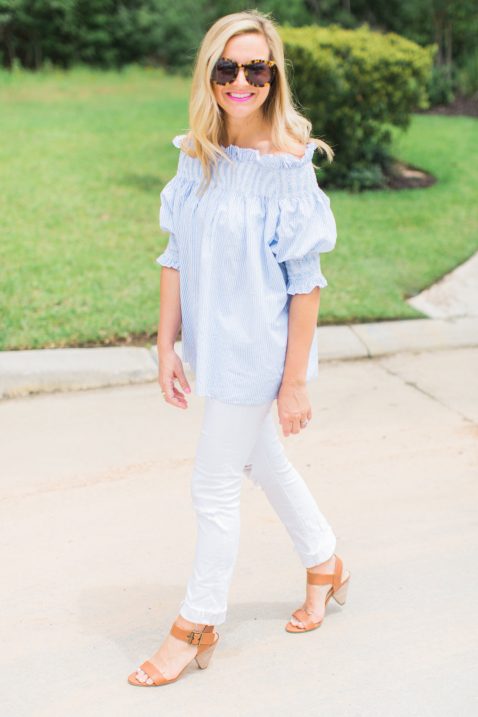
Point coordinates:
pixel 207 134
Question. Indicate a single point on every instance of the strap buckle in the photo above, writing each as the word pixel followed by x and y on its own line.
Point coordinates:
pixel 191 636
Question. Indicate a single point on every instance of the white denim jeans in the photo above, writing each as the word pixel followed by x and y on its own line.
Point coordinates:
pixel 235 441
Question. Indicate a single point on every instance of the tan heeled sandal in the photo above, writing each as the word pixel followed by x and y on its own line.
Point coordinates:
pixel 338 591
pixel 206 640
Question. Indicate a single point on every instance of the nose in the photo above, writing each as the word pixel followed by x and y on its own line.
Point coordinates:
pixel 241 81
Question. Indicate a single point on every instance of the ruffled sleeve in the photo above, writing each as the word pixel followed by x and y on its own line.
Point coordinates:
pixel 169 207
pixel 305 228
pixel 170 256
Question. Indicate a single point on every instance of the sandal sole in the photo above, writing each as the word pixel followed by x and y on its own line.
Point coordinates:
pixel 133 681
pixel 329 596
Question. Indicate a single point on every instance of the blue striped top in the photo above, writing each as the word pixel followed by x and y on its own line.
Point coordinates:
pixel 242 250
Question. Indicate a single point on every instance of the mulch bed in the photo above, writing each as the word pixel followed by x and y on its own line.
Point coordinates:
pixel 467 106
pixel 406 176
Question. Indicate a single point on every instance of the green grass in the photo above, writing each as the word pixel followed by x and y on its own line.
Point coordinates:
pixel 83 158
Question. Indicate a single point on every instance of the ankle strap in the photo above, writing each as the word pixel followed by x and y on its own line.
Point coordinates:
pixel 206 636
pixel 334 578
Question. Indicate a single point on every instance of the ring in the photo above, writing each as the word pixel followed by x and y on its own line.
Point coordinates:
pixel 303 423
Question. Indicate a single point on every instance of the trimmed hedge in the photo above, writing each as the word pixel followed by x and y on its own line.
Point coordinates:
pixel 352 85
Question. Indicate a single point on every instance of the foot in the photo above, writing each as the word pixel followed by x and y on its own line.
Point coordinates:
pixel 173 655
pixel 314 603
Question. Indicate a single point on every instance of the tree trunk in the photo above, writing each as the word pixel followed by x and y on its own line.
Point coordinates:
pixel 37 54
pixel 438 36
pixel 10 55
pixel 314 6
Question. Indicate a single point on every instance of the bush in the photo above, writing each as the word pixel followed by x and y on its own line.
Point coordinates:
pixel 441 85
pixel 467 75
pixel 352 85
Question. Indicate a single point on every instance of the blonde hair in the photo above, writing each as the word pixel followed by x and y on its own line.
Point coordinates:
pixel 207 126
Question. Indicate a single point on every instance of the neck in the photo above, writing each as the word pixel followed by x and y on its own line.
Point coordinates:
pixel 246 133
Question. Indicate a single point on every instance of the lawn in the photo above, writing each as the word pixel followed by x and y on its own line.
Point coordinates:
pixel 83 158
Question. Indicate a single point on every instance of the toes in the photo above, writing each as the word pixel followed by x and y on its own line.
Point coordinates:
pixel 141 676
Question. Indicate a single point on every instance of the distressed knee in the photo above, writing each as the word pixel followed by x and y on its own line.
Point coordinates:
pixel 262 472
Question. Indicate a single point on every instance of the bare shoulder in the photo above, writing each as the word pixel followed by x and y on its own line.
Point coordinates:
pixel 292 147
pixel 296 148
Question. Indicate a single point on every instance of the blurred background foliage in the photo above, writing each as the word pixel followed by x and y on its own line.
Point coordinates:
pixel 356 67
pixel 113 33
pixel 354 85
pixel 92 91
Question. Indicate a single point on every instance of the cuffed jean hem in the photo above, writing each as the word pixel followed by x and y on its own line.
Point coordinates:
pixel 327 549
pixel 202 616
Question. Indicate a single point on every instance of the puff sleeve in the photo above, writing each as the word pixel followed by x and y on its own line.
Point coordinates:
pixel 305 228
pixel 170 256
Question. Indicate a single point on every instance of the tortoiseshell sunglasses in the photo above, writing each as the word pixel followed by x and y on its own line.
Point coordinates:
pixel 258 73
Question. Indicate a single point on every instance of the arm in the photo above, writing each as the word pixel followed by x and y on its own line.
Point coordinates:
pixel 169 310
pixel 306 228
pixel 169 363
pixel 292 400
pixel 303 312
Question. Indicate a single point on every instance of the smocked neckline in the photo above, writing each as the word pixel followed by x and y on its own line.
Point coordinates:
pixel 248 154
pixel 283 159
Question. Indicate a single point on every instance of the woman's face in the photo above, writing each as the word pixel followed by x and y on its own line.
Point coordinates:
pixel 243 49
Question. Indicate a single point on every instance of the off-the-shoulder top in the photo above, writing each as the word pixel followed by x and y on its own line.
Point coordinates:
pixel 242 249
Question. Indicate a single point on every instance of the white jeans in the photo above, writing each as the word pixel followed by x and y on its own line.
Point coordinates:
pixel 234 437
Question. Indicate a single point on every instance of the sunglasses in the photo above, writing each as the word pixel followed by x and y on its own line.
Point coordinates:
pixel 258 73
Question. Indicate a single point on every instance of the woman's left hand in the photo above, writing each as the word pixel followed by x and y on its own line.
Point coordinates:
pixel 294 407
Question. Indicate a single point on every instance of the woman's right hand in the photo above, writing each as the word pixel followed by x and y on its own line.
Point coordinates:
pixel 171 369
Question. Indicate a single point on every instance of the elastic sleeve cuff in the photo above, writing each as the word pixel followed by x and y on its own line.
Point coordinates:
pixel 304 274
pixel 168 258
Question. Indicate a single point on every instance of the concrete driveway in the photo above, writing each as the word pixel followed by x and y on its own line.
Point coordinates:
pixel 98 533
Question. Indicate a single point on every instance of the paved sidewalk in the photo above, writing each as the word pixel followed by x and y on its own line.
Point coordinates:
pixel 456 294
pixel 98 534
pixel 47 370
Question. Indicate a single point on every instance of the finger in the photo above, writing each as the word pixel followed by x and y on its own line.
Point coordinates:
pixel 304 421
pixel 169 392
pixel 183 382
pixel 296 424
pixel 167 389
pixel 180 397
pixel 290 424
pixel 178 401
pixel 286 425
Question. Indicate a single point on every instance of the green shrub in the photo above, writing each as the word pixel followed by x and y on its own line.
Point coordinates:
pixel 352 85
pixel 467 75
pixel 441 85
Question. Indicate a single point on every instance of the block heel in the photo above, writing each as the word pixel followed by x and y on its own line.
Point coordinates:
pixel 203 658
pixel 340 595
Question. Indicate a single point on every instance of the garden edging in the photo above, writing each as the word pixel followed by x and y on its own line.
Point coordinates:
pixel 70 369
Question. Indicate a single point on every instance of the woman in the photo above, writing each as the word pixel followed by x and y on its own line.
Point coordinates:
pixel 241 274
